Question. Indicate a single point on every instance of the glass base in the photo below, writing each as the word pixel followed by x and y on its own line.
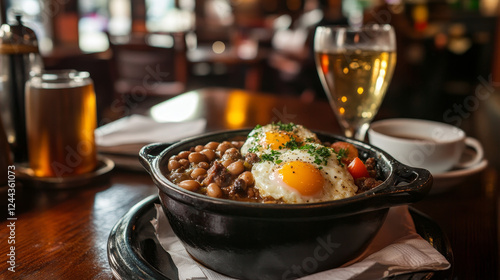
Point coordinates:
pixel 358 133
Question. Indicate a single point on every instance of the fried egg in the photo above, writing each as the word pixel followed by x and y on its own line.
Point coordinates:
pixel 277 137
pixel 303 175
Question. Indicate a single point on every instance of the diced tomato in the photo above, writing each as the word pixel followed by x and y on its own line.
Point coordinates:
pixel 357 169
pixel 351 151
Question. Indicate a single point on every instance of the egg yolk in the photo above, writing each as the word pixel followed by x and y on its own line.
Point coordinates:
pixel 276 140
pixel 303 177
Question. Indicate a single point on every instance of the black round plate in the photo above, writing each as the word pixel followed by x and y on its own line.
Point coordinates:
pixel 135 253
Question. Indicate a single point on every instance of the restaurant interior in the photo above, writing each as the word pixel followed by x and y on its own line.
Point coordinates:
pixel 204 66
pixel 443 46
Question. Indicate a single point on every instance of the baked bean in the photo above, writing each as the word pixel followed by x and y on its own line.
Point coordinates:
pixel 212 145
pixel 199 148
pixel 247 177
pixel 232 150
pixel 236 168
pixel 197 157
pixel 210 154
pixel 183 154
pixel 214 190
pixel 184 162
pixel 190 185
pixel 227 162
pixel 237 144
pixel 173 164
pixel 232 153
pixel 223 147
pixel 204 165
pixel 198 172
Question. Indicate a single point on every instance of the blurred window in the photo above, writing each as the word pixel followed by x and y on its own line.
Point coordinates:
pixel 120 17
pixel 165 16
pixel 92 25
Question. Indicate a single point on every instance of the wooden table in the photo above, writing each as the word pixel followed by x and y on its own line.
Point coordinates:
pixel 63 234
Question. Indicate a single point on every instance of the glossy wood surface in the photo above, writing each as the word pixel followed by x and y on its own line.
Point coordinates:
pixel 63 234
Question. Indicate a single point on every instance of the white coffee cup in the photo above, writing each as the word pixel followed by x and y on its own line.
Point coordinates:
pixel 435 146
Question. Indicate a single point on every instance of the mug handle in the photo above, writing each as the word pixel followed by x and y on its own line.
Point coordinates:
pixel 473 143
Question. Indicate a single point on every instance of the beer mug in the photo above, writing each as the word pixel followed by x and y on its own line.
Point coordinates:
pixel 60 122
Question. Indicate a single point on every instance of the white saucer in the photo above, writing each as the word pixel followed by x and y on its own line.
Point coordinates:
pixel 444 181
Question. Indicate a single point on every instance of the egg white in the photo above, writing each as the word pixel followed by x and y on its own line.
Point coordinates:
pixel 338 183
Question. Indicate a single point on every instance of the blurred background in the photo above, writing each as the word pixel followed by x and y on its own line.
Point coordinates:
pixel 138 50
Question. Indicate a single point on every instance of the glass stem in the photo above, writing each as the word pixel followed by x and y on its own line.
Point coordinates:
pixel 360 133
pixel 357 133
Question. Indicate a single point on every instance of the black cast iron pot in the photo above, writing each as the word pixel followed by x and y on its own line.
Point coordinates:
pixel 280 241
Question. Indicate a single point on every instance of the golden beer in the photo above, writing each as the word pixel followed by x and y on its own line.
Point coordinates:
pixel 60 120
pixel 356 81
pixel 355 65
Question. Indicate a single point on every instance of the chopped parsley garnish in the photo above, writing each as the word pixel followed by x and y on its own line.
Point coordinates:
pixel 310 139
pixel 255 133
pixel 255 148
pixel 342 153
pixel 320 154
pixel 293 143
pixel 285 126
pixel 273 157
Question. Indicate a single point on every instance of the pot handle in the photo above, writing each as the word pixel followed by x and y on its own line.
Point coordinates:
pixel 149 152
pixel 409 185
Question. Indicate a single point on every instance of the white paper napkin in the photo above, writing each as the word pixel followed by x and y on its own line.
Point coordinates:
pixel 122 139
pixel 138 129
pixel 396 249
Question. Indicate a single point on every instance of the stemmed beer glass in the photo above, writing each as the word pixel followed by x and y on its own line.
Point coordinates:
pixel 355 66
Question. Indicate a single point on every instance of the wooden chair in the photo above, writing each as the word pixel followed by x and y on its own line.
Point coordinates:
pixel 149 64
